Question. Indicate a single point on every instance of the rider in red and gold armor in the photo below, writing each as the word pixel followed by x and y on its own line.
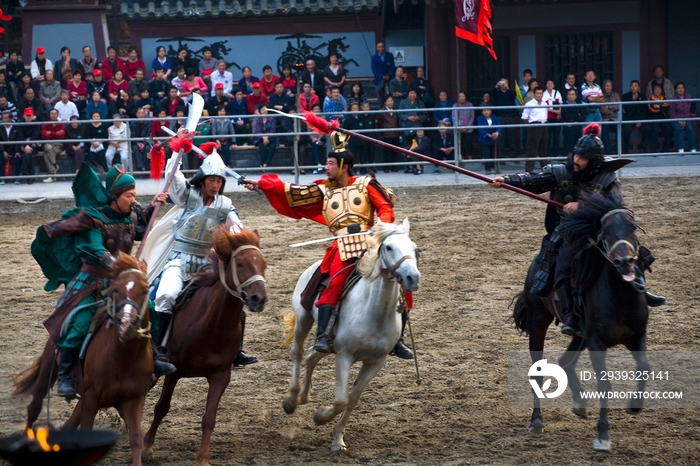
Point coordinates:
pixel 347 204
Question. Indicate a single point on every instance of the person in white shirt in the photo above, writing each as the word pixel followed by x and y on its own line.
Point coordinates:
pixel 535 115
pixel 220 75
pixel 552 97
pixel 591 93
pixel 118 135
pixel 65 108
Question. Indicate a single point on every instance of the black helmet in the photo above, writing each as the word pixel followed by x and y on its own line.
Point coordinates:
pixel 591 147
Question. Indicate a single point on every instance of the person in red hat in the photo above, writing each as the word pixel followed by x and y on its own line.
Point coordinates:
pixel 98 84
pixel 218 100
pixel 255 99
pixel 27 133
pixel 40 65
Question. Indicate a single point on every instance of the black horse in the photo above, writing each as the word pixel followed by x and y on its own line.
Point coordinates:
pixel 612 303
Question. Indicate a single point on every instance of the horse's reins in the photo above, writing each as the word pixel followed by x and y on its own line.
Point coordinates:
pixel 607 249
pixel 141 308
pixel 239 291
pixel 390 272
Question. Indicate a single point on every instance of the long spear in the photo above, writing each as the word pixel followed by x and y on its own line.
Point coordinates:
pixel 325 127
pixel 152 220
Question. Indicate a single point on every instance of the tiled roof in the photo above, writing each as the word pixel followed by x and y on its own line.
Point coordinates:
pixel 166 9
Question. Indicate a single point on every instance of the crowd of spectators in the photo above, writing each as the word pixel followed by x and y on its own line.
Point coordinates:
pixel 117 89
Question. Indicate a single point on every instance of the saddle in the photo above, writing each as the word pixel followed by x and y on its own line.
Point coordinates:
pixel 319 282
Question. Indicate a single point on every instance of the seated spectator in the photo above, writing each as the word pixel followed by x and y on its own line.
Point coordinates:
pixel 30 101
pixel 279 100
pixel 137 85
pixel 222 126
pixel 445 104
pixel 179 78
pixel 40 65
pixel 77 90
pixel 193 82
pixel 5 87
pixel 98 84
pixel 118 89
pixel 171 102
pixel 7 107
pixel 572 115
pixel 95 104
pixel 333 106
pixel 334 74
pixel 50 92
pixel 315 77
pixel 246 82
pixel 266 144
pixel 307 99
pixel 10 152
pixel 256 99
pixel 112 64
pixel 157 124
pixel 88 64
pixel 182 59
pixel 220 75
pixel 289 82
pixel 443 144
pixel 657 111
pixel 15 69
pixel 146 103
pixel 207 65
pixel 239 108
pixel 29 135
pixel 420 144
pixel 413 119
pixel 218 100
pixel 681 111
pixel 398 88
pixel 357 94
pixel 118 135
pixel 464 116
pixel 181 118
pixel 75 149
pixel 52 131
pixel 318 144
pixel 96 134
pixel 139 130
pixel 489 131
pixel 65 108
pixel 158 87
pixel 65 66
pixel 162 61
pixel 26 83
pixel 133 64
pixel 422 87
pixel 268 81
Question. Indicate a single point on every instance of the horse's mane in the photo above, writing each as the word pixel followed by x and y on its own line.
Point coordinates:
pixel 224 243
pixel 125 262
pixel 369 259
pixel 584 222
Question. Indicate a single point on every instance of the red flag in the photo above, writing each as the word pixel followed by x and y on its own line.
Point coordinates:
pixel 472 22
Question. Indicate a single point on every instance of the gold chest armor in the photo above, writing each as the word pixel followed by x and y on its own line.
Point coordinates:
pixel 348 210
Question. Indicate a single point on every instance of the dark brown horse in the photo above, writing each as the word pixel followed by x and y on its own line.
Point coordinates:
pixel 118 362
pixel 614 311
pixel 206 332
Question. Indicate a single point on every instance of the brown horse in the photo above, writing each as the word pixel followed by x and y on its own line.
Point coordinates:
pixel 207 331
pixel 118 362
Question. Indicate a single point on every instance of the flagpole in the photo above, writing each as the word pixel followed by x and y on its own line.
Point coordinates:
pixel 458 139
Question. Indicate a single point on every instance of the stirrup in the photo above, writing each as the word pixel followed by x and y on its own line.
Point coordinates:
pixel 402 351
pixel 67 392
pixel 654 300
pixel 323 344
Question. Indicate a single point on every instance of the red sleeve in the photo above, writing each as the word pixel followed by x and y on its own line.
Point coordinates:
pixel 251 107
pixel 384 210
pixel 107 70
pixel 273 188
pixel 60 132
pixel 45 128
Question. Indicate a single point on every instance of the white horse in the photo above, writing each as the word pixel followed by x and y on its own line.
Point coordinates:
pixel 367 327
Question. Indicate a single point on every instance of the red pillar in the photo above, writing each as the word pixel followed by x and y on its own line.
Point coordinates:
pixel 441 49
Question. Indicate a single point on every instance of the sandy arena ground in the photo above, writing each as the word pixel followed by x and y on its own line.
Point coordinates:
pixel 477 244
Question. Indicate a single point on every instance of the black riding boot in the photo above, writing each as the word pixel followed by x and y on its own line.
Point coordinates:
pixel 654 300
pixel 646 258
pixel 66 383
pixel 570 325
pixel 161 363
pixel 400 349
pixel 323 340
pixel 243 359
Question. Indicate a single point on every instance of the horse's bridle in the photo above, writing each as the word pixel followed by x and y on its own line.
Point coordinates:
pixel 239 291
pixel 600 239
pixel 140 308
pixel 390 272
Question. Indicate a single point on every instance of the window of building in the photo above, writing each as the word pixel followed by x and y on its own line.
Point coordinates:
pixel 483 72
pixel 577 53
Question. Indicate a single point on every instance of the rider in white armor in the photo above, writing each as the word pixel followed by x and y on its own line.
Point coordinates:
pixel 203 208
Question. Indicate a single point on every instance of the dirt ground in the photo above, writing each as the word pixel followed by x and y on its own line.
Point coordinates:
pixel 476 246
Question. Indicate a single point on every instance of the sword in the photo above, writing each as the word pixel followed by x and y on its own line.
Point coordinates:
pixel 237 176
pixel 196 107
pixel 330 238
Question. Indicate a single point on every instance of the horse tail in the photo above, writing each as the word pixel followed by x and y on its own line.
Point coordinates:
pixel 24 382
pixel 289 320
pixel 520 313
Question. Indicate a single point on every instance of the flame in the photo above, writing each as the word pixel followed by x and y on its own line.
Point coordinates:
pixel 41 437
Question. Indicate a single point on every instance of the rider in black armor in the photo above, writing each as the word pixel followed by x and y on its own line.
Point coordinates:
pixel 586 171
